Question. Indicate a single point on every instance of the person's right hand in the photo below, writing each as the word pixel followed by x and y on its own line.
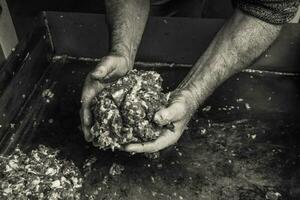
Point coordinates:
pixel 110 68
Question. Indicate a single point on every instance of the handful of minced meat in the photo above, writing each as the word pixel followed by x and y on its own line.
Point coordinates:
pixel 124 111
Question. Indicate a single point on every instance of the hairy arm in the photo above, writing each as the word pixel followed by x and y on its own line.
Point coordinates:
pixel 127 20
pixel 241 40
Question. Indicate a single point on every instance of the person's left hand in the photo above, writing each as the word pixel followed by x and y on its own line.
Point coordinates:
pixel 180 111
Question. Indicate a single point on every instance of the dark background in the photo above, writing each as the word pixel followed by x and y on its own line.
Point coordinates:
pixel 24 12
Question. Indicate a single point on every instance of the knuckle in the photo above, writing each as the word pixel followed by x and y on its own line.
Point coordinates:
pixel 84 103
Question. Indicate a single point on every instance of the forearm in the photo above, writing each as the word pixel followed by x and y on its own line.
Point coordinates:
pixel 241 40
pixel 127 20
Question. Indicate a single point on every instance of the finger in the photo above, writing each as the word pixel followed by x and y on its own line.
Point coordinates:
pixel 87 135
pixel 85 112
pixel 90 90
pixel 86 116
pixel 96 144
pixel 173 113
pixel 85 119
pixel 102 71
pixel 116 73
pixel 166 139
pixel 85 127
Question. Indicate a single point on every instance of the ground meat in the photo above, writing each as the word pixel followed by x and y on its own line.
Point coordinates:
pixel 124 111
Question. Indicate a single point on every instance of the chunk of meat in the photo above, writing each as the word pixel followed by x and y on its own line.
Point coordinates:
pixel 124 111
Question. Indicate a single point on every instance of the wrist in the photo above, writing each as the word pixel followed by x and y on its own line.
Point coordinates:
pixel 203 80
pixel 123 51
pixel 189 97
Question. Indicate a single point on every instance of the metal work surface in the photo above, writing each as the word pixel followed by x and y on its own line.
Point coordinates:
pixel 234 147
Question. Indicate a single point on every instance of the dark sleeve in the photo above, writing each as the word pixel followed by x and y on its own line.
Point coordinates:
pixel 271 11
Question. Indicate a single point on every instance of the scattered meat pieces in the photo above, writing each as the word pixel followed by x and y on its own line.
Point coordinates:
pixel 116 169
pixel 38 175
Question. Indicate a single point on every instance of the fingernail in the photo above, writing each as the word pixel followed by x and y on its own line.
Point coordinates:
pixel 127 148
pixel 164 117
pixel 107 77
pixel 158 118
pixel 95 76
pixel 98 74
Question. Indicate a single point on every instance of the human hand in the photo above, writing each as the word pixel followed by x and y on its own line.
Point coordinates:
pixel 110 68
pixel 180 111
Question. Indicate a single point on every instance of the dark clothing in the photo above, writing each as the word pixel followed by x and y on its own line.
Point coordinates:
pixel 272 11
pixel 192 8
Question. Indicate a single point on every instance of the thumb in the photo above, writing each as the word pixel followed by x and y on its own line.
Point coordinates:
pixel 101 72
pixel 173 113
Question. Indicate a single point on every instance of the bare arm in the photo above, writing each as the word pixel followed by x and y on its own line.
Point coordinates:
pixel 241 40
pixel 127 20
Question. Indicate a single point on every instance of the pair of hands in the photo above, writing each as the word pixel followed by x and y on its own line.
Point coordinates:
pixel 113 67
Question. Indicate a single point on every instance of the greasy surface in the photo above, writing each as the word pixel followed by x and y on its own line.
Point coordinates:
pixel 123 112
pixel 242 146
